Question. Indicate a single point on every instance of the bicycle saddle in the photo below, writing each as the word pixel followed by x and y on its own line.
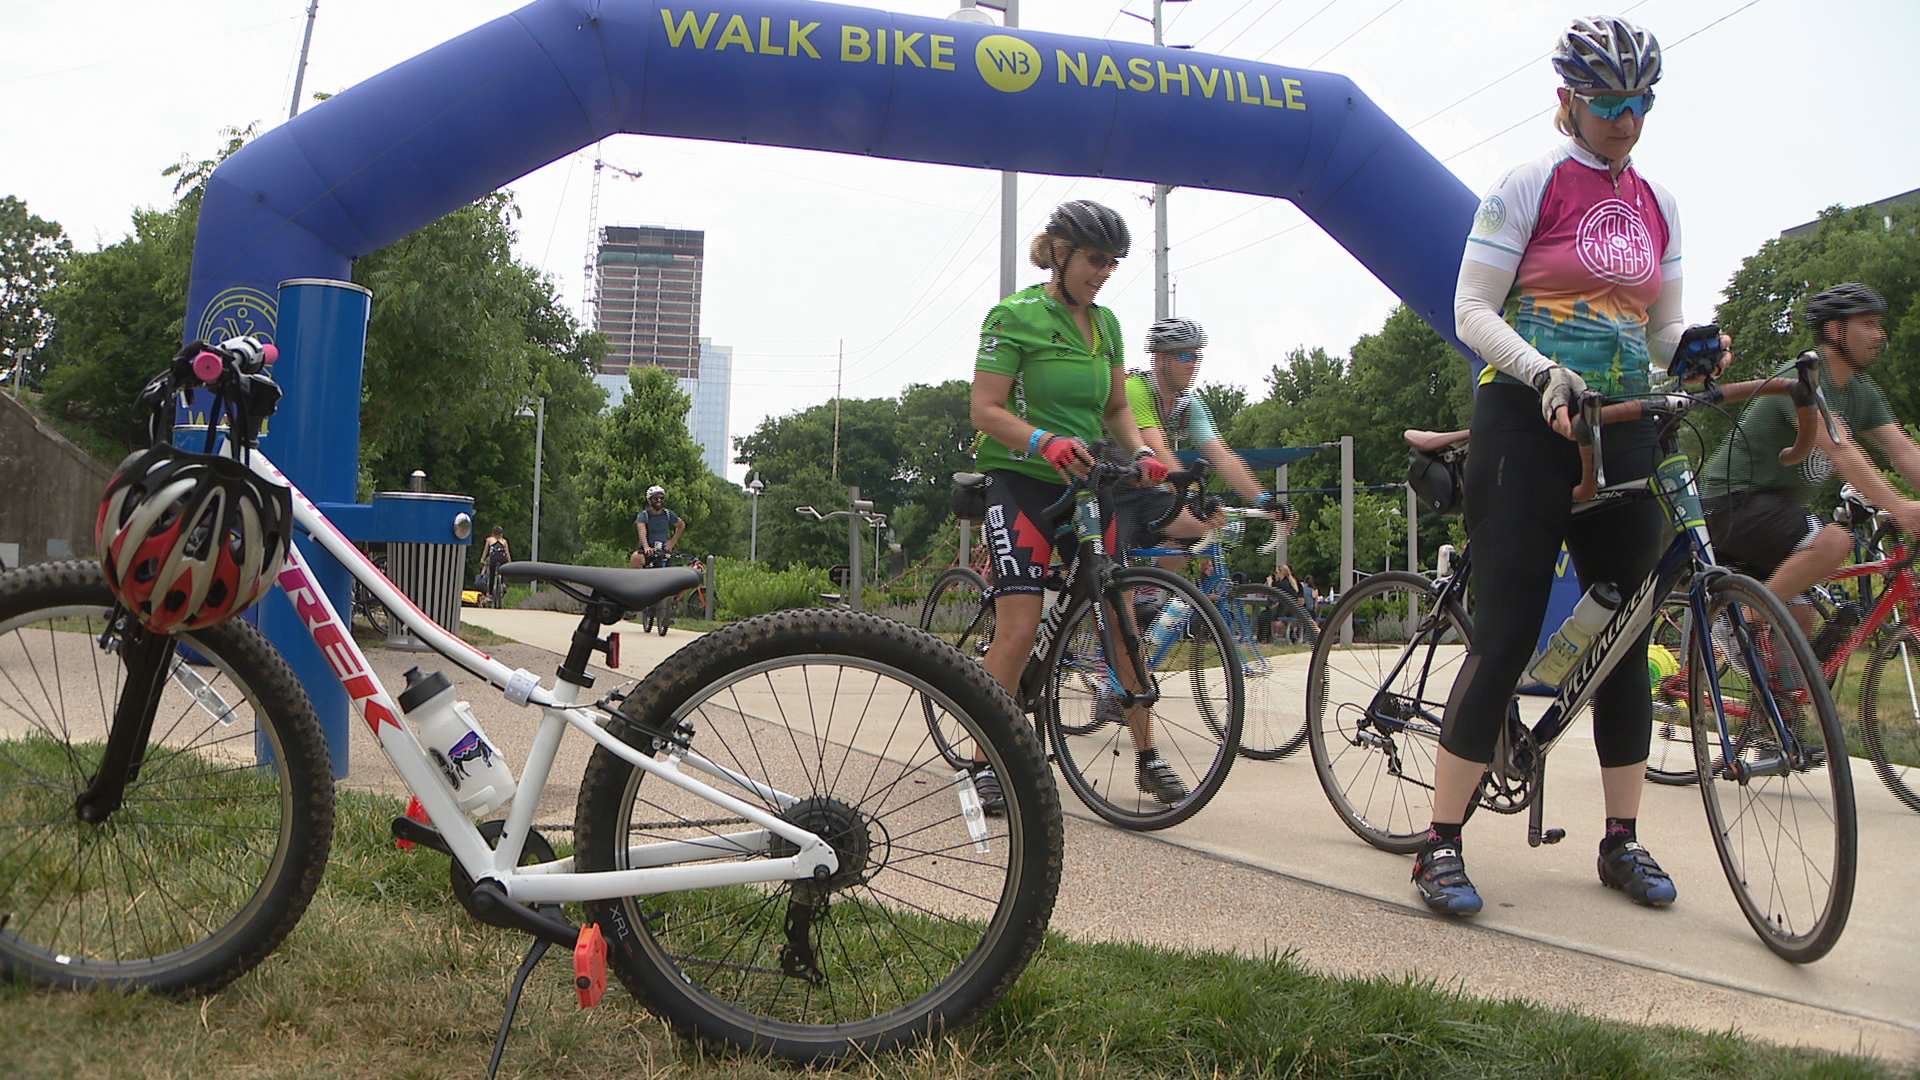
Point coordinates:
pixel 631 589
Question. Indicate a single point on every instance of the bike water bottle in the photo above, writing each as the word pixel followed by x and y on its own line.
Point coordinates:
pixel 472 766
pixel 1570 642
pixel 1170 621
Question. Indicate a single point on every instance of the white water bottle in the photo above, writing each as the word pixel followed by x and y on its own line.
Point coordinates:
pixel 1170 621
pixel 1570 642
pixel 469 762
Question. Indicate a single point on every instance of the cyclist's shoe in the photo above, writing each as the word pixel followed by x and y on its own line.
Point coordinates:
pixel 1441 875
pixel 987 785
pixel 1107 710
pixel 1632 870
pixel 1158 779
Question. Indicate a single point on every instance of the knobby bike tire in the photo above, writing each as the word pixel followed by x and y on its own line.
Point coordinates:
pixel 1195 725
pixel 1276 724
pixel 1889 718
pixel 925 925
pixel 1780 809
pixel 665 618
pixel 959 611
pixel 1376 692
pixel 210 860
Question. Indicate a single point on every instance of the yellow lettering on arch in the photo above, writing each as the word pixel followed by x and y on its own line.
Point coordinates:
pixel 940 52
pixel 1207 80
pixel 797 38
pixel 1295 99
pixel 1077 64
pixel 1108 72
pixel 676 34
pixel 1169 76
pixel 1142 69
pixel 768 47
pixel 903 44
pixel 853 44
pixel 735 33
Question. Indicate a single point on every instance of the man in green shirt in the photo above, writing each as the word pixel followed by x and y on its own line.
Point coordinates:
pixel 1757 503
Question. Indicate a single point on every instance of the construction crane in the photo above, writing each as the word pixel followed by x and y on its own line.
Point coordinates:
pixel 593 224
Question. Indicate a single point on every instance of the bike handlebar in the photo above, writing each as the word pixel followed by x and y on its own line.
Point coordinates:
pixel 1597 410
pixel 234 370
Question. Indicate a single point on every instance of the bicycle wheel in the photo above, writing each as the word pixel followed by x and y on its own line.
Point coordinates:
pixel 665 618
pixel 373 611
pixel 1890 714
pixel 929 919
pixel 646 618
pixel 1670 752
pixel 1275 724
pixel 1195 725
pixel 959 611
pixel 1376 693
pixel 1773 771
pixel 210 860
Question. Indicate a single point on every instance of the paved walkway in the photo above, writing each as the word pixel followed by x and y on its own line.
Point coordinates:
pixel 1268 868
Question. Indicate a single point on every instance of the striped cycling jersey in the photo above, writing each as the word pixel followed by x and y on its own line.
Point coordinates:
pixel 1589 256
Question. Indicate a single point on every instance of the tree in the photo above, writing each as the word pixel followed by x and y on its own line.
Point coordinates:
pixel 1767 295
pixel 31 251
pixel 646 442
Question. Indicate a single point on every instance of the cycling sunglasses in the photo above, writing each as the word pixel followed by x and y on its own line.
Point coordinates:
pixel 1609 106
pixel 1186 356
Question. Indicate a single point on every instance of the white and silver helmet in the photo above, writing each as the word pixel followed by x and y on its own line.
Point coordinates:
pixel 1173 335
pixel 1608 55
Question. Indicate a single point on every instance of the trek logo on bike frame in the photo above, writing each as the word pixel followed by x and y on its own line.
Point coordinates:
pixel 331 637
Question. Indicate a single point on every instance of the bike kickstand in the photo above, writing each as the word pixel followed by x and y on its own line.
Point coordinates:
pixel 534 953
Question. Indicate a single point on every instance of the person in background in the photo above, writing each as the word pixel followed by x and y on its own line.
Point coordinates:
pixel 659 530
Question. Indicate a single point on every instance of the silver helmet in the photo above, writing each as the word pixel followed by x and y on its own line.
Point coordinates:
pixel 1607 54
pixel 1173 335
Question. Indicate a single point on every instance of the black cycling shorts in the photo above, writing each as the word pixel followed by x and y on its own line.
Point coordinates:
pixel 1019 539
pixel 1755 531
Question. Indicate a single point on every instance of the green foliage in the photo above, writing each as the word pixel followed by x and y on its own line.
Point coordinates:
pixel 744 589
pixel 1765 299
pixel 901 453
pixel 645 442
pixel 31 251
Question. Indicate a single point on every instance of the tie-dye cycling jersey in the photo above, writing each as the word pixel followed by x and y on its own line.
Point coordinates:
pixel 1588 258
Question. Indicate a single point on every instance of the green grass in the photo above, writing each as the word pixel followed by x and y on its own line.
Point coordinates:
pixel 387 978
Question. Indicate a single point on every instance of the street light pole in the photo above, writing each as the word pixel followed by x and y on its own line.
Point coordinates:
pixel 539 446
pixel 754 488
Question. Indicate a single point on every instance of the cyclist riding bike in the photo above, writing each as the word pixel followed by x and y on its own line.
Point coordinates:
pixel 494 555
pixel 659 530
pixel 1172 417
pixel 1582 254
pixel 1757 504
pixel 1048 378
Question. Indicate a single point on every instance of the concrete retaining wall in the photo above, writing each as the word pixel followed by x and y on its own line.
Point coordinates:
pixel 49 490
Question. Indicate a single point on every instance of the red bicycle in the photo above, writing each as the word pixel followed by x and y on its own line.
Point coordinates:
pixel 1870 626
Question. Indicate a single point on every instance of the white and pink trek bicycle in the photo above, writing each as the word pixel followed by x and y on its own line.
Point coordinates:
pixel 768 848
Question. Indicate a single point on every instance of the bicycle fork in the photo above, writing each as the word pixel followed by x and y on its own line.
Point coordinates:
pixel 145 655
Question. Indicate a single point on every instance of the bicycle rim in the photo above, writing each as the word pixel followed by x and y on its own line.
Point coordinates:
pixel 1276 724
pixel 926 923
pixel 1777 785
pixel 1377 691
pixel 1890 715
pixel 210 859
pixel 1195 725
pixel 958 611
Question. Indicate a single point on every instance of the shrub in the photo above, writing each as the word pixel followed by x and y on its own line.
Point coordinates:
pixel 745 589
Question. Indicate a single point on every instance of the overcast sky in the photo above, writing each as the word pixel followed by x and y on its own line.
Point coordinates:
pixel 1770 111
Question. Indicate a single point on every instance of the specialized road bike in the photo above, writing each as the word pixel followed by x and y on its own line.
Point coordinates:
pixel 1099 682
pixel 768 848
pixel 1767 745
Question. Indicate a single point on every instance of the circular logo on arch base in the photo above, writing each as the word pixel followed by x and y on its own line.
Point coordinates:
pixel 239 311
pixel 1007 63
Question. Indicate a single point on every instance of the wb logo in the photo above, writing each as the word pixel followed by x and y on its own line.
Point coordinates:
pixel 1007 63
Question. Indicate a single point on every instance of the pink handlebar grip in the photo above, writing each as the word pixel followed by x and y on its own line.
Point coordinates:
pixel 206 367
pixel 270 351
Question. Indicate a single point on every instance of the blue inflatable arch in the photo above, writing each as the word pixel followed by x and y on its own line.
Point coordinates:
pixel 396 152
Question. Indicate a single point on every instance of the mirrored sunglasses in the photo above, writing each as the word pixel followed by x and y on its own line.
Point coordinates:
pixel 1609 106
pixel 1187 357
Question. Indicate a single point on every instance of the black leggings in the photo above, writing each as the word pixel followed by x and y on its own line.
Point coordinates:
pixel 1519 484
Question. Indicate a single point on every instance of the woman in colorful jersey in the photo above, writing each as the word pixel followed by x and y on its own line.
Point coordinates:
pixel 1583 254
pixel 1047 381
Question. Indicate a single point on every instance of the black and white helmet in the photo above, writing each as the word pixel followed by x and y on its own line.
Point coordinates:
pixel 1853 298
pixel 1173 335
pixel 1087 224
pixel 1608 55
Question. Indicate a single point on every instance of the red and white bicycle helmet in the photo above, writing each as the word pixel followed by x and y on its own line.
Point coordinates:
pixel 189 540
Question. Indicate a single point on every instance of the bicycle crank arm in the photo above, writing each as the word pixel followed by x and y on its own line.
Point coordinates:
pixel 1536 814
pixel 489 903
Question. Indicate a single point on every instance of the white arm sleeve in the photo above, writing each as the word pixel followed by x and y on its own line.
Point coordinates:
pixel 1477 297
pixel 1664 326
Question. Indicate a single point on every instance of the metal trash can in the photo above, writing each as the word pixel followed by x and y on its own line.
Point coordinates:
pixel 429 572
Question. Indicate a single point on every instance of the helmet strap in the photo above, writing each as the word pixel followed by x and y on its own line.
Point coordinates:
pixel 1060 276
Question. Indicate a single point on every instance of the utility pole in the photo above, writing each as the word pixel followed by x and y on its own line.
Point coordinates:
pixel 1009 181
pixel 1162 296
pixel 300 71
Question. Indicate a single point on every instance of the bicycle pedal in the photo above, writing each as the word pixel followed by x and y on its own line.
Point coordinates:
pixel 590 966
pixel 415 812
